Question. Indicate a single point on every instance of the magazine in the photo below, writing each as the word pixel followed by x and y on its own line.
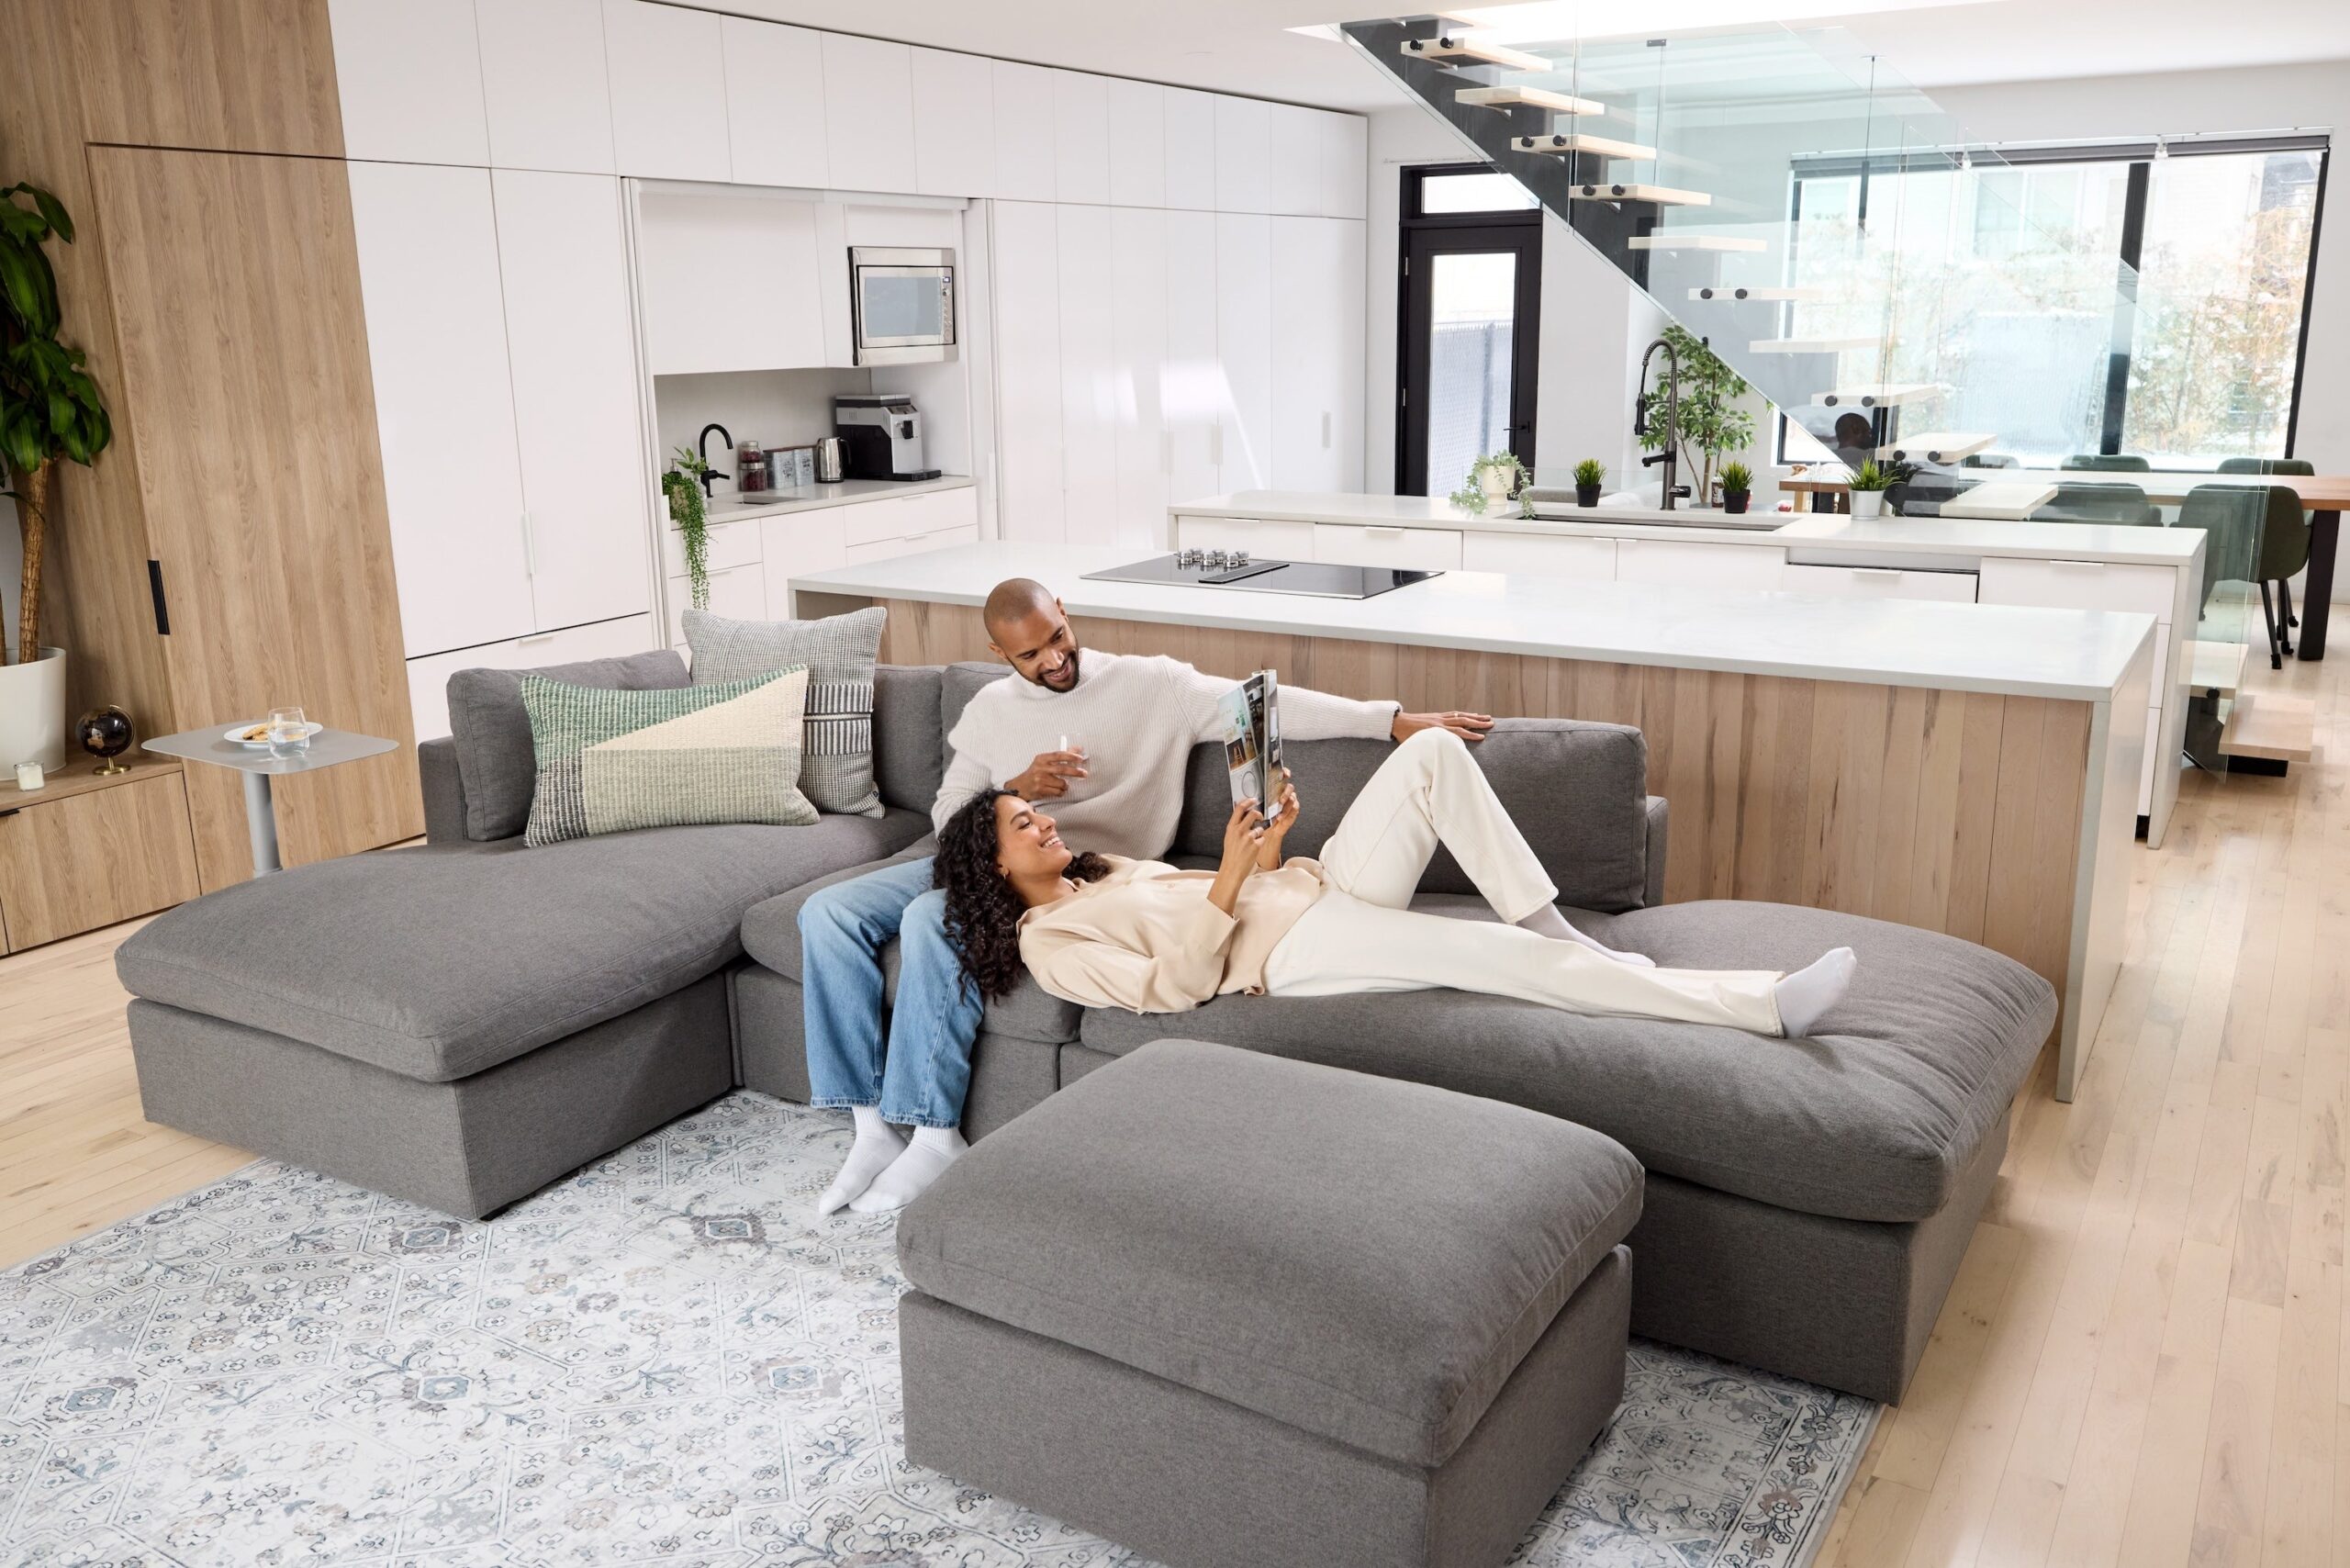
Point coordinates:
pixel 1252 740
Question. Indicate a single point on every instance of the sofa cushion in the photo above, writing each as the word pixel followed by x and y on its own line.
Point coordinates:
pixel 1873 1118
pixel 958 683
pixel 1358 1258
pixel 837 759
pixel 493 733
pixel 438 963
pixel 909 748
pixel 1578 791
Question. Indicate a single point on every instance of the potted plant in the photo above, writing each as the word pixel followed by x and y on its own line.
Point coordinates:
pixel 1590 475
pixel 688 513
pixel 1737 486
pixel 1868 488
pixel 50 408
pixel 1711 419
pixel 1495 476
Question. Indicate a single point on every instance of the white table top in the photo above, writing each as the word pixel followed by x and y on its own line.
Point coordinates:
pixel 1896 536
pixel 727 506
pixel 326 748
pixel 2067 654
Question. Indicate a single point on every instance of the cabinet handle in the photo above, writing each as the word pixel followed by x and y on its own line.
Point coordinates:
pixel 1167 452
pixel 1215 443
pixel 529 642
pixel 530 549
pixel 2079 566
pixel 155 591
pixel 1383 532
pixel 1875 571
pixel 1326 429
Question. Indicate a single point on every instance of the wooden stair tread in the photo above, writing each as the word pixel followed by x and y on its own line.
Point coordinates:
pixel 1566 144
pixel 1727 291
pixel 1677 240
pixel 1876 394
pixel 1456 50
pixel 1937 446
pixel 2215 666
pixel 1527 97
pixel 1809 345
pixel 2270 725
pixel 1630 190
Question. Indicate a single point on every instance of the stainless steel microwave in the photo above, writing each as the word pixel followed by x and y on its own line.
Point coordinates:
pixel 902 303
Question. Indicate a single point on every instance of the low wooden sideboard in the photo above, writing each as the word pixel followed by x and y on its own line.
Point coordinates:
pixel 87 850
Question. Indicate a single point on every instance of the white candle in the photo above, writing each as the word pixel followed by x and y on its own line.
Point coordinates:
pixel 28 776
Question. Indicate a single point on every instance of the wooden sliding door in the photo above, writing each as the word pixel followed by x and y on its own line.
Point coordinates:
pixel 246 391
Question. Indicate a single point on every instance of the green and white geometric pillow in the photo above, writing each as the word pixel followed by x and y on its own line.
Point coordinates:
pixel 613 760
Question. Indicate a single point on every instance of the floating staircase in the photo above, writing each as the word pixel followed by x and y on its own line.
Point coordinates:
pixel 1459 50
pixel 1581 144
pixel 1940 448
pixel 1810 345
pixel 1758 292
pixel 1655 195
pixel 1521 97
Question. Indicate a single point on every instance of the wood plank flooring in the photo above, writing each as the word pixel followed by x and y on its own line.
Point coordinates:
pixel 2141 1364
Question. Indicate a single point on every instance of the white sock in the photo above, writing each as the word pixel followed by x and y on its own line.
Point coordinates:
pixel 1811 991
pixel 877 1144
pixel 1547 922
pixel 924 1161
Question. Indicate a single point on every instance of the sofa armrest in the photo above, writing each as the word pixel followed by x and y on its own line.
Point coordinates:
pixel 445 791
pixel 1658 809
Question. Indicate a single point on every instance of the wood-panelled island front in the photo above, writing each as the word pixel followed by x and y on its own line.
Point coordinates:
pixel 1969 770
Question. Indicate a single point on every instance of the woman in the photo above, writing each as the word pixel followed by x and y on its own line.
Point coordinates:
pixel 1140 935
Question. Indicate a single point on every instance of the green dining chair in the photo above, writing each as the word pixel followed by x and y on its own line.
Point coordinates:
pixel 2260 524
pixel 2107 463
pixel 1987 460
pixel 2300 467
pixel 2123 504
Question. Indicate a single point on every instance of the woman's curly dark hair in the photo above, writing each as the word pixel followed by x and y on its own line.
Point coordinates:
pixel 982 908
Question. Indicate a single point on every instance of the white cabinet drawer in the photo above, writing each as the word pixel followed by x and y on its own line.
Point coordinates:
pixel 1414 549
pixel 1878 582
pixel 2080 584
pixel 904 516
pixel 731 544
pixel 889 549
pixel 1540 554
pixel 428 678
pixel 797 545
pixel 1675 562
pixel 1266 541
pixel 740 592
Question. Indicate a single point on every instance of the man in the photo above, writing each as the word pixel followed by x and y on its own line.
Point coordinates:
pixel 1105 737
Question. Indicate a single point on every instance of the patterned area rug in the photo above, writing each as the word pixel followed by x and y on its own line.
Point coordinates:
pixel 657 1360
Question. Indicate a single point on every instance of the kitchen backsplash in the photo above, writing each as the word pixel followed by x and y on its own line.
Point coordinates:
pixel 774 408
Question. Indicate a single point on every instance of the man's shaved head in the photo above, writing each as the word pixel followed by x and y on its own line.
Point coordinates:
pixel 1027 629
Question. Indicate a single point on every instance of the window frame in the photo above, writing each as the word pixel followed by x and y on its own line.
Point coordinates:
pixel 1519 228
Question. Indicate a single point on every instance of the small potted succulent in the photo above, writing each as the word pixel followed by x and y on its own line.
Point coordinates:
pixel 1590 475
pixel 1737 486
pixel 1869 487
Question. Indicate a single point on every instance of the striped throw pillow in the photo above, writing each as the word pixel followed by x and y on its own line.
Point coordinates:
pixel 608 761
pixel 836 764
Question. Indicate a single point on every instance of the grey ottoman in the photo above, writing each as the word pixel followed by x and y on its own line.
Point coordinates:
pixel 1231 1310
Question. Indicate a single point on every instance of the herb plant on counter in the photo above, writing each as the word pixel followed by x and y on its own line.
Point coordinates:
pixel 682 486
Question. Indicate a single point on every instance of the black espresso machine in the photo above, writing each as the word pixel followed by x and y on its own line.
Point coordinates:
pixel 883 430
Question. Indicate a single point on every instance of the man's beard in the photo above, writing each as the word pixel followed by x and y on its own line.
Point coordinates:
pixel 1069 684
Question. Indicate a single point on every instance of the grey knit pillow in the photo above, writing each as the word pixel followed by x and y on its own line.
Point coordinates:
pixel 836 758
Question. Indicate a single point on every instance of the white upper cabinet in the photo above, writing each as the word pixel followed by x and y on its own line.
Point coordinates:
pixel 1080 137
pixel 1346 173
pixel 1028 369
pixel 1190 379
pixel 954 123
pixel 1189 125
pixel 667 71
pixel 775 103
pixel 1089 370
pixel 1024 132
pixel 410 76
pixel 1244 330
pixel 427 240
pixel 1243 142
pixel 869 113
pixel 726 281
pixel 573 354
pixel 1292 160
pixel 544 81
pixel 1138 144
pixel 1317 355
pixel 1138 288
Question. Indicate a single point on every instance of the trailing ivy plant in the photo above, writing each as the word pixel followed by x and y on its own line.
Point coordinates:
pixel 688 508
pixel 1711 421
pixel 1470 497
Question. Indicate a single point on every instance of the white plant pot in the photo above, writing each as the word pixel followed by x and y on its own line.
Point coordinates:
pixel 1496 483
pixel 32 712
pixel 1868 503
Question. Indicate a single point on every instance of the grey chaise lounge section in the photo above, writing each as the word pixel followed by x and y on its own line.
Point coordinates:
pixel 1094 1331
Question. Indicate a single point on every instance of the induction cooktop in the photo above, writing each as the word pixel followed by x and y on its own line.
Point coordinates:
pixel 1215 568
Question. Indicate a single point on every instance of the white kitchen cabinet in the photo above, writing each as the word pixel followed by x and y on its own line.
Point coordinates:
pixel 427 239
pixel 2080 584
pixel 1346 171
pixel 1088 404
pixel 1540 556
pixel 1372 545
pixel 775 104
pixel 1317 354
pixel 544 81
pixel 908 516
pixel 795 546
pixel 1243 143
pixel 1294 159
pixel 409 73
pixel 1878 582
pixel 1024 146
pixel 666 66
pixel 954 123
pixel 577 426
pixel 730 282
pixel 1244 329
pixel 1267 539
pixel 740 593
pixel 1190 379
pixel 1190 128
pixel 428 678
pixel 1026 256
pixel 891 549
pixel 1683 562
pixel 1138 353
pixel 1138 144
pixel 869 113
pixel 725 545
pixel 1080 137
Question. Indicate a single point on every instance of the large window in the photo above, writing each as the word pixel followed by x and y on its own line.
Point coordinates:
pixel 2147 300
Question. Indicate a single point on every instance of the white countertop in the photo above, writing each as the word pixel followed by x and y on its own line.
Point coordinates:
pixel 815 498
pixel 2071 654
pixel 1894 536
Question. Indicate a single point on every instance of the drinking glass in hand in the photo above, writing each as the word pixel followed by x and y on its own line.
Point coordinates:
pixel 289 735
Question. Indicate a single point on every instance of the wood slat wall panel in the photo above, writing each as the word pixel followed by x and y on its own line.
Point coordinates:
pixel 1952 811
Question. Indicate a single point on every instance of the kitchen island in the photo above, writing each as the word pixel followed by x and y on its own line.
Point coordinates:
pixel 1963 769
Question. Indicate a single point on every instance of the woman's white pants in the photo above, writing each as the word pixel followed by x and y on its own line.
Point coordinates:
pixel 1362 934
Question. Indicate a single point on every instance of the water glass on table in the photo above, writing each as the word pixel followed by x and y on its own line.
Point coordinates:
pixel 288 733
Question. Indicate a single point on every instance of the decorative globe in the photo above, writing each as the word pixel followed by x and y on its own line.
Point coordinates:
pixel 104 734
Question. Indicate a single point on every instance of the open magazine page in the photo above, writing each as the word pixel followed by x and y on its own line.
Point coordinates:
pixel 1251 738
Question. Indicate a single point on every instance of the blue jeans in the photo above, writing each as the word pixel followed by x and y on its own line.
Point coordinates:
pixel 919 1077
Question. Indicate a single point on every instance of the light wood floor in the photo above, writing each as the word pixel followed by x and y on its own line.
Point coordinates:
pixel 2142 1361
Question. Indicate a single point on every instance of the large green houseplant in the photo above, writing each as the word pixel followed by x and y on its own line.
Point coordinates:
pixel 49 411
pixel 1712 423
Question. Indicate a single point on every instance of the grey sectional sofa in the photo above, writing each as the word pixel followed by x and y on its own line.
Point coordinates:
pixel 460 1022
